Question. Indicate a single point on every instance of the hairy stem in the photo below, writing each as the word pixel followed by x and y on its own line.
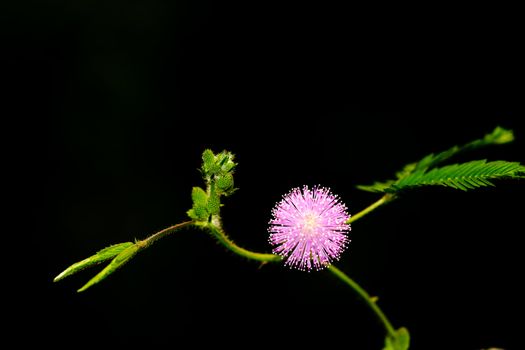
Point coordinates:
pixel 366 297
pixel 221 236
pixel 145 243
pixel 383 200
pixel 228 243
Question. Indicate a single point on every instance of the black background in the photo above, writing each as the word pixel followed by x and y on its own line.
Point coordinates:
pixel 113 104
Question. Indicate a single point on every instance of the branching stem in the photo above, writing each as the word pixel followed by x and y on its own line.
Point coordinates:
pixel 383 200
pixel 221 236
pixel 228 243
pixel 163 233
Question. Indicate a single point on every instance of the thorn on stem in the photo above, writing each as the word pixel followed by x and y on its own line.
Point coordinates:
pixel 262 264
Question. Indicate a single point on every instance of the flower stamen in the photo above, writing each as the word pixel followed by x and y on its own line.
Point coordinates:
pixel 309 228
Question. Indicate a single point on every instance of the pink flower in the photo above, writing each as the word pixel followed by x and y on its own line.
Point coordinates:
pixel 309 228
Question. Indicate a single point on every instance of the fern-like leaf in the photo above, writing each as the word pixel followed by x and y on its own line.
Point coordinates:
pixel 497 137
pixel 464 176
pixel 377 187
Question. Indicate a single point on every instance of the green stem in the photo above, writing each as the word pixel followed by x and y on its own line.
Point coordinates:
pixel 383 200
pixel 221 236
pixel 163 233
pixel 366 297
pixel 228 243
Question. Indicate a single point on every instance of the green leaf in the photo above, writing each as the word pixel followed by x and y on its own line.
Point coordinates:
pixel 214 204
pixel 401 340
pixel 407 170
pixel 192 215
pixel 119 261
pixel 199 197
pixel 224 182
pixel 208 160
pixel 432 159
pixel 226 161
pixel 497 137
pixel 464 176
pixel 217 171
pixel 201 213
pixel 376 187
pixel 99 257
pixel 222 163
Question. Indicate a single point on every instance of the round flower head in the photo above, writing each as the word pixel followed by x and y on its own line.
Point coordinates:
pixel 309 228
